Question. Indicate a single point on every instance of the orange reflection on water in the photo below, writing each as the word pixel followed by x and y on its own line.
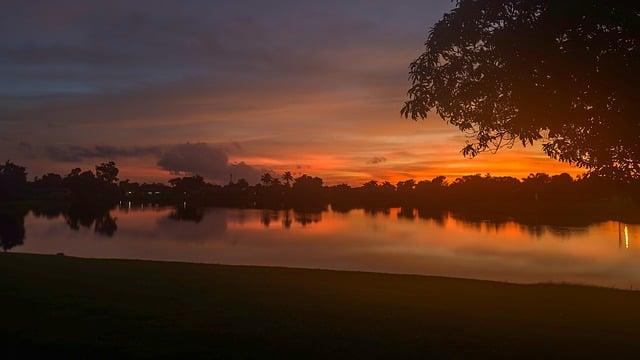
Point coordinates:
pixel 393 240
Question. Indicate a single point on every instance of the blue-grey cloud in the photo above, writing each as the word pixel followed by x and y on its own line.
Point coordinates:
pixel 76 153
pixel 208 161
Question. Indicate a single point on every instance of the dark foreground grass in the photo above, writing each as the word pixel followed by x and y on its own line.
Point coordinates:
pixel 55 305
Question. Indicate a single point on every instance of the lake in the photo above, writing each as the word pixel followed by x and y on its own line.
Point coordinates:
pixel 392 240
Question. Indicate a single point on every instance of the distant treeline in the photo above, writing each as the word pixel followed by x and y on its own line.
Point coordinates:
pixel 85 199
pixel 484 194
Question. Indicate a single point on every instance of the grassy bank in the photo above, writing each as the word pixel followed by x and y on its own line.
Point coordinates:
pixel 60 305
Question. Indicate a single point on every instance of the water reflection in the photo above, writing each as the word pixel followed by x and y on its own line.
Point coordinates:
pixel 626 233
pixel 401 240
pixel 100 219
pixel 12 230
pixel 76 216
pixel 186 213
pixel 406 213
pixel 79 215
pixel 377 211
pixel 269 216
pixel 305 218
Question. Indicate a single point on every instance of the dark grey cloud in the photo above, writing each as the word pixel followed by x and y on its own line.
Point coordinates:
pixel 76 153
pixel 208 161
pixel 376 160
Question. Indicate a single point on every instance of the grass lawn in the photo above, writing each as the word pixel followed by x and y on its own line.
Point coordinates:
pixel 57 305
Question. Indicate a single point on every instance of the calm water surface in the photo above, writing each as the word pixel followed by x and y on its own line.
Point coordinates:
pixel 606 253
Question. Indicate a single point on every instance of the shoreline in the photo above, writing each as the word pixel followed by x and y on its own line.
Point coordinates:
pixel 329 270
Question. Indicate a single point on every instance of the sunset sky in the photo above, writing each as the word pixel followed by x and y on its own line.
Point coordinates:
pixel 220 87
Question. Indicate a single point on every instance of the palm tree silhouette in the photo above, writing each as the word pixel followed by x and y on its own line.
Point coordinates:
pixel 266 179
pixel 287 177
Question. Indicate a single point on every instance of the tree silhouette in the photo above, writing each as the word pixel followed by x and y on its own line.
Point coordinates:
pixel 189 184
pixel 82 184
pixel 406 186
pixel 564 73
pixel 266 179
pixel 48 180
pixel 242 184
pixel 84 200
pixel 275 182
pixel 107 172
pixel 287 177
pixel 13 180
